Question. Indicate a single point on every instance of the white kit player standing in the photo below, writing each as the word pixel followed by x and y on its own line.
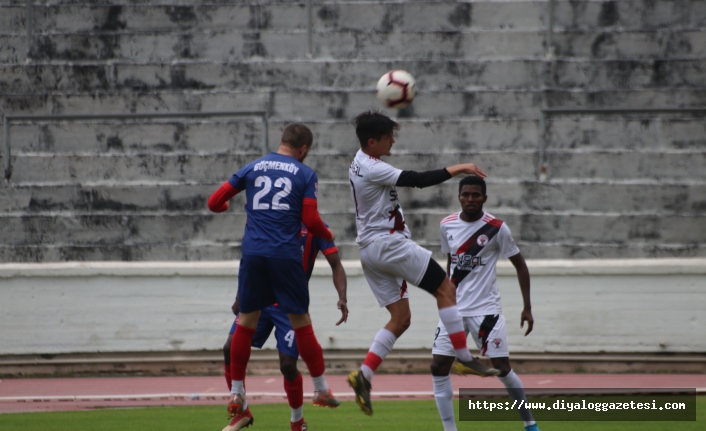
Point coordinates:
pixel 390 258
pixel 474 241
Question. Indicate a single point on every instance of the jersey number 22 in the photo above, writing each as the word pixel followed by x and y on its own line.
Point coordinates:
pixel 266 183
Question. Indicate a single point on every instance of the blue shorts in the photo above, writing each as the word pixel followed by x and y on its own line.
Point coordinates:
pixel 270 317
pixel 263 281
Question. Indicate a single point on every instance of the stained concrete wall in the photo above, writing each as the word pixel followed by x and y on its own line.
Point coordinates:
pixel 616 187
pixel 590 306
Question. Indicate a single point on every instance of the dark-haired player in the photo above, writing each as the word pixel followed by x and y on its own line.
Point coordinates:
pixel 281 195
pixel 389 257
pixel 273 317
pixel 473 241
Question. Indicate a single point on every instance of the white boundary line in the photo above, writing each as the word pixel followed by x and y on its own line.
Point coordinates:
pixel 221 395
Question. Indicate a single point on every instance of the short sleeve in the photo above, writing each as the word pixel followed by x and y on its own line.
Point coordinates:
pixel 326 247
pixel 444 242
pixel 383 173
pixel 238 178
pixel 506 243
pixel 312 186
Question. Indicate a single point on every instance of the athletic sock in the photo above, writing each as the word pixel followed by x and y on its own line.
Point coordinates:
pixel 320 384
pixel 443 395
pixel 453 322
pixel 240 355
pixel 226 373
pixel 298 414
pixel 514 388
pixel 312 355
pixel 295 396
pixel 382 345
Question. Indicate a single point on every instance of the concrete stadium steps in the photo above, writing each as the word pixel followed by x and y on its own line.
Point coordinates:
pixel 245 135
pixel 357 75
pixel 629 132
pixel 678 198
pixel 140 197
pixel 173 166
pixel 233 45
pixel 344 104
pixel 507 195
pixel 621 165
pixel 215 167
pixel 159 136
pixel 186 166
pixel 200 231
pixel 378 15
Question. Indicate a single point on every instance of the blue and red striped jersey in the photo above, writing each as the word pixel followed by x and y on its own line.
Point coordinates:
pixel 310 246
pixel 275 186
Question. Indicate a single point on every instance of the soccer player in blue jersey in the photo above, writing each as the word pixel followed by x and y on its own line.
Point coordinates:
pixel 281 194
pixel 274 317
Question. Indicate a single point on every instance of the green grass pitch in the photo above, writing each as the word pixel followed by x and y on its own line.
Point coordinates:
pixel 389 416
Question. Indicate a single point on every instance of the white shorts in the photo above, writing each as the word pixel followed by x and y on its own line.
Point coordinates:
pixel 390 260
pixel 493 344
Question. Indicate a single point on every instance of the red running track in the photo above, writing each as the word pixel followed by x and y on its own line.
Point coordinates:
pixel 35 395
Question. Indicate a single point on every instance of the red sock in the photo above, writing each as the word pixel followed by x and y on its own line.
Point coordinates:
pixel 240 351
pixel 229 380
pixel 458 340
pixel 310 350
pixel 372 360
pixel 295 391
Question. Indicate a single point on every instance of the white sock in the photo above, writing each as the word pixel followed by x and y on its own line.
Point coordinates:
pixel 297 414
pixel 383 343
pixel 453 322
pixel 513 386
pixel 320 384
pixel 237 387
pixel 443 395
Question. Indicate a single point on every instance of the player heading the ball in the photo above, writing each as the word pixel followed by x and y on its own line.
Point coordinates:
pixel 389 257
pixel 281 194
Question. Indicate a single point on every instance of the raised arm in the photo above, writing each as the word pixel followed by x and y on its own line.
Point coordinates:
pixel 523 277
pixel 437 176
pixel 341 284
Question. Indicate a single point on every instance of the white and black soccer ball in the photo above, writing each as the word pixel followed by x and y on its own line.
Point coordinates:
pixel 396 89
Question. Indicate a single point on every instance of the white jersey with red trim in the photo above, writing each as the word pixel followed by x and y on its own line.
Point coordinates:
pixel 474 249
pixel 377 208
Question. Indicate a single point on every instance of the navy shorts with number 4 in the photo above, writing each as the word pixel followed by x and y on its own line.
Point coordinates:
pixel 273 317
pixel 263 281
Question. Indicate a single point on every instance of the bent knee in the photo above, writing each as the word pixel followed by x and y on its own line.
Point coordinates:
pixel 289 371
pixel 441 366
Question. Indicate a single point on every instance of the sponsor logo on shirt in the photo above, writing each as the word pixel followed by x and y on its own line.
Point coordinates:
pixel 466 263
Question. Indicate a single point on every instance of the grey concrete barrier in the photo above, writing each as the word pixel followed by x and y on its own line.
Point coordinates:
pixel 590 306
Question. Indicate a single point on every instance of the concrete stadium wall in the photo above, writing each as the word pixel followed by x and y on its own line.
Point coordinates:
pixel 591 306
pixel 617 186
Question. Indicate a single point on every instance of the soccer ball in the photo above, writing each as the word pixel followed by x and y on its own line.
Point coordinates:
pixel 396 89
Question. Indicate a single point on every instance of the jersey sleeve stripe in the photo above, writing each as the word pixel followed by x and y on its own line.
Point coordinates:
pixel 452 217
pixel 492 221
pixel 330 250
